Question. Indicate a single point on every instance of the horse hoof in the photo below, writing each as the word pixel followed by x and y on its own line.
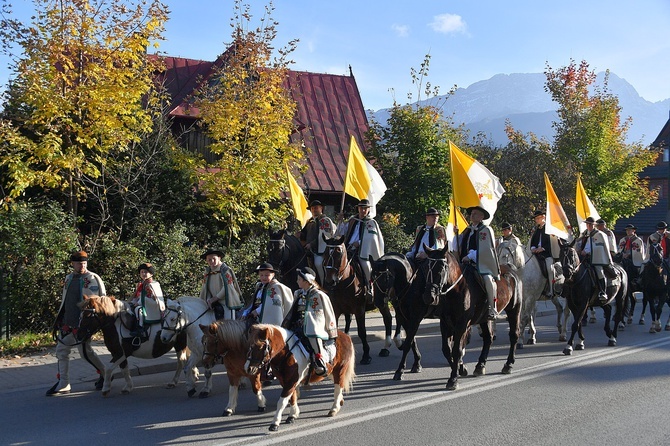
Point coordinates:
pixel 203 395
pixel 125 392
pixel 562 338
pixel 507 369
pixel 105 393
pixel 416 369
pixel 630 321
pixel 480 370
pixel 452 384
pixel 530 341
pixel 622 326
pixel 227 413
pixel 332 412
pixel 579 347
pixel 567 351
pixel 462 370
pixel 519 345
pixel 190 393
pixel 170 386
pixel 397 376
pixel 384 353
pixel 641 322
pixel 261 409
pixel 652 329
pixel 365 360
pixel 667 327
pixel 592 320
pixel 274 428
pixel 611 343
pixel 290 419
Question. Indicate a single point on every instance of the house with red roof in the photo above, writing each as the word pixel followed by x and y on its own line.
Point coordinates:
pixel 329 111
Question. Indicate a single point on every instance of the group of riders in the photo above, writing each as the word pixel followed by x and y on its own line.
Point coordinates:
pixel 308 310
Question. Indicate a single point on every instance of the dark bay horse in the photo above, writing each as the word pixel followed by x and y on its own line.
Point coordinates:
pixel 346 291
pixel 113 318
pixel 286 253
pixel 291 365
pixel 654 287
pixel 508 298
pixel 392 276
pixel 581 292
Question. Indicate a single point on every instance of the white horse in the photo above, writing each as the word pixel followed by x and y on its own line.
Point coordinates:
pixel 534 284
pixel 185 314
pixel 114 318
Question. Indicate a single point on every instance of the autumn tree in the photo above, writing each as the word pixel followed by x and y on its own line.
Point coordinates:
pixel 79 90
pixel 412 151
pixel 247 111
pixel 591 139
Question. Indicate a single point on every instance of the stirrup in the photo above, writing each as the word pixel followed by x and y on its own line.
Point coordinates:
pixel 136 342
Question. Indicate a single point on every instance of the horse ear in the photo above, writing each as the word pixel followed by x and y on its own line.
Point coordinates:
pixel 204 328
pixel 427 249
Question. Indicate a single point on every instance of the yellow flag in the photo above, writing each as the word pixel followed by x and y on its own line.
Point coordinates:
pixel 557 222
pixel 583 206
pixel 472 183
pixel 298 200
pixel 455 221
pixel 361 179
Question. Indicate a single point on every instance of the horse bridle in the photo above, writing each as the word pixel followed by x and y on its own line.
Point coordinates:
pixel 330 264
pixel 265 359
pixel 179 327
pixel 218 357
pixel 443 280
pixel 286 254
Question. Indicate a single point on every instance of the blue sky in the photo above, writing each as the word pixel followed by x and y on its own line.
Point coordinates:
pixel 469 40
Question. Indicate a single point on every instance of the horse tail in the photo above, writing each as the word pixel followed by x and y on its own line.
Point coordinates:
pixel 349 362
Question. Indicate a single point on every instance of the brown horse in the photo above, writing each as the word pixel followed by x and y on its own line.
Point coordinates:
pixel 226 341
pixel 114 318
pixel 346 290
pixel 290 362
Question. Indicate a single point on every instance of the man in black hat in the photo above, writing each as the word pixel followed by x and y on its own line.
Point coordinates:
pixel 430 234
pixel 632 247
pixel 311 236
pixel 545 247
pixel 79 283
pixel 511 243
pixel 661 236
pixel 364 240
pixel 477 247
pixel 272 299
pixel 219 286
pixel 594 247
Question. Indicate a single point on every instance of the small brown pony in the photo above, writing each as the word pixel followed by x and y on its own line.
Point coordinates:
pixel 345 290
pixel 226 341
pixel 291 365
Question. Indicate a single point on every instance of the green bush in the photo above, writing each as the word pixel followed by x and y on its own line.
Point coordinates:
pixel 395 240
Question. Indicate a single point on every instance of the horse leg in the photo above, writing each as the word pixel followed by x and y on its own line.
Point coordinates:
pixel 182 360
pixel 257 388
pixel 347 322
pixel 126 376
pixel 411 328
pixel 388 326
pixel 294 410
pixel 233 391
pixel 645 301
pixel 416 366
pixel 607 309
pixel 487 336
pixel 363 335
pixel 107 381
pixel 575 328
pixel 204 393
pixel 337 402
pixel 283 401
pixel 513 319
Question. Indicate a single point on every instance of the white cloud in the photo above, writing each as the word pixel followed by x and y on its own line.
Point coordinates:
pixel 400 30
pixel 448 23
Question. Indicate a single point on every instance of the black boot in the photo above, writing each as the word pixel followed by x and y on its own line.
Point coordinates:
pixel 319 366
pixel 602 295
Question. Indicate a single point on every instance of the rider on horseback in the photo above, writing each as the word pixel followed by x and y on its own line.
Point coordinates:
pixel 631 248
pixel 512 243
pixel 312 317
pixel 148 304
pixel 545 246
pixel 272 299
pixel 311 235
pixel 601 226
pixel 662 237
pixel 430 234
pixel 364 240
pixel 219 287
pixel 477 247
pixel 593 245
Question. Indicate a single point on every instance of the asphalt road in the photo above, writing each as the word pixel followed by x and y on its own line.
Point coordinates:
pixel 602 395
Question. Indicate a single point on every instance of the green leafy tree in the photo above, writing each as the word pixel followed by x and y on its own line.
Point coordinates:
pixel 591 139
pixel 247 112
pixel 412 151
pixel 79 90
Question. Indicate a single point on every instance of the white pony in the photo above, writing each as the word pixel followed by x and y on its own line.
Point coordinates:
pixel 534 284
pixel 185 314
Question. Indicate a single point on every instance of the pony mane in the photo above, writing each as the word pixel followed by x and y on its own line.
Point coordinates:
pixel 271 330
pixel 105 305
pixel 187 301
pixel 232 333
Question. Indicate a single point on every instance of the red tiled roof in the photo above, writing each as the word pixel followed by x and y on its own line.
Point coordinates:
pixel 329 110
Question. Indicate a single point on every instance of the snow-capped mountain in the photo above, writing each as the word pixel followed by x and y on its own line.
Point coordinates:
pixel 485 105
